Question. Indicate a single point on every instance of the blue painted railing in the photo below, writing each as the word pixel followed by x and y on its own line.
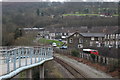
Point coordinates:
pixel 13 59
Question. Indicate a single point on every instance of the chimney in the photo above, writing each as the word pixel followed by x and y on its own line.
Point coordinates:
pixel 77 31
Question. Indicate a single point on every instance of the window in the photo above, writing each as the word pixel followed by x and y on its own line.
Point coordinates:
pixel 92 38
pixel 113 36
pixel 80 40
pixel 80 46
pixel 71 40
pixel 74 35
pixel 116 42
pixel 105 36
pixel 91 43
pixel 111 42
pixel 99 39
pixel 116 35
pixel 108 36
pixel 105 43
pixel 77 35
pixel 65 34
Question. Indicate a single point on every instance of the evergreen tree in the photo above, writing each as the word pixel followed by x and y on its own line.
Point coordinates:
pixel 18 33
pixel 38 12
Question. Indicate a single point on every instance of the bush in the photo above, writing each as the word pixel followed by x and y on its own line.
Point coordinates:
pixel 75 53
pixel 114 64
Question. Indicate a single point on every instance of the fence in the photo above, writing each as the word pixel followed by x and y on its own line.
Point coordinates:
pixel 63 51
pixel 98 59
pixel 111 63
pixel 12 59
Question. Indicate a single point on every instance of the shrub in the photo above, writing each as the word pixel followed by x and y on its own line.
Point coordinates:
pixel 75 53
pixel 114 64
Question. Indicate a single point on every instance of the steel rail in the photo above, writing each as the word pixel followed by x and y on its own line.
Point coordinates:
pixel 70 68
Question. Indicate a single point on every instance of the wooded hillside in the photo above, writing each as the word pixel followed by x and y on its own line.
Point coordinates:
pixel 51 14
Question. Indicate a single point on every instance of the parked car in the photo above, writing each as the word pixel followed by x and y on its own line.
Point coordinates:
pixel 110 46
pixel 60 39
pixel 63 47
pixel 54 44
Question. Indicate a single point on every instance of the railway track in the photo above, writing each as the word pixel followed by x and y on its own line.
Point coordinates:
pixel 76 73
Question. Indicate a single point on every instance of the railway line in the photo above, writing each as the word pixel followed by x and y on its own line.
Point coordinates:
pixel 76 73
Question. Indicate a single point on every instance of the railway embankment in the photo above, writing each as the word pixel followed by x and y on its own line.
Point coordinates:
pixel 87 71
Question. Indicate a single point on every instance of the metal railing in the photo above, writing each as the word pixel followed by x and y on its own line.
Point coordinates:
pixel 12 59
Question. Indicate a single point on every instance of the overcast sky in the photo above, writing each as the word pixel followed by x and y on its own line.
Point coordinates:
pixel 60 0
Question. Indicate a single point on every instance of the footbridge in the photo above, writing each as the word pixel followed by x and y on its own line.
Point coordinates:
pixel 16 60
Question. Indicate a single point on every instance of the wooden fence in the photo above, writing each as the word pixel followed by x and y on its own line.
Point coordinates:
pixel 99 59
pixel 63 51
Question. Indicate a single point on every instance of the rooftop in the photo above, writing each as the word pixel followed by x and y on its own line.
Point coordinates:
pixel 93 34
pixel 33 28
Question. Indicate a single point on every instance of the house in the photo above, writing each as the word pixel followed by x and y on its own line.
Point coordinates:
pixel 93 39
pixel 75 41
pixel 112 39
pixel 82 40
pixel 52 35
pixel 31 30
pixel 43 34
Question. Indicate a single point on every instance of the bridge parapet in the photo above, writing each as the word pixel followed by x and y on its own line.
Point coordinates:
pixel 16 58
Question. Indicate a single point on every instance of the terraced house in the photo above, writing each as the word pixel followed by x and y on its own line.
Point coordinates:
pixel 83 40
pixel 112 40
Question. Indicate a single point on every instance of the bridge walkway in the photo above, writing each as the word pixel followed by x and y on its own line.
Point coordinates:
pixel 15 60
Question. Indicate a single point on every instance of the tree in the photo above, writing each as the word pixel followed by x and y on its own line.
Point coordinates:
pixel 75 53
pixel 38 12
pixel 86 10
pixel 42 14
pixel 18 33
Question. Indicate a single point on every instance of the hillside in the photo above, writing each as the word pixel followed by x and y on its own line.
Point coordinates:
pixel 39 13
pixel 55 14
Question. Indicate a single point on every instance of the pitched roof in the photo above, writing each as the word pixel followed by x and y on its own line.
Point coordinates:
pixel 92 34
pixel 89 34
